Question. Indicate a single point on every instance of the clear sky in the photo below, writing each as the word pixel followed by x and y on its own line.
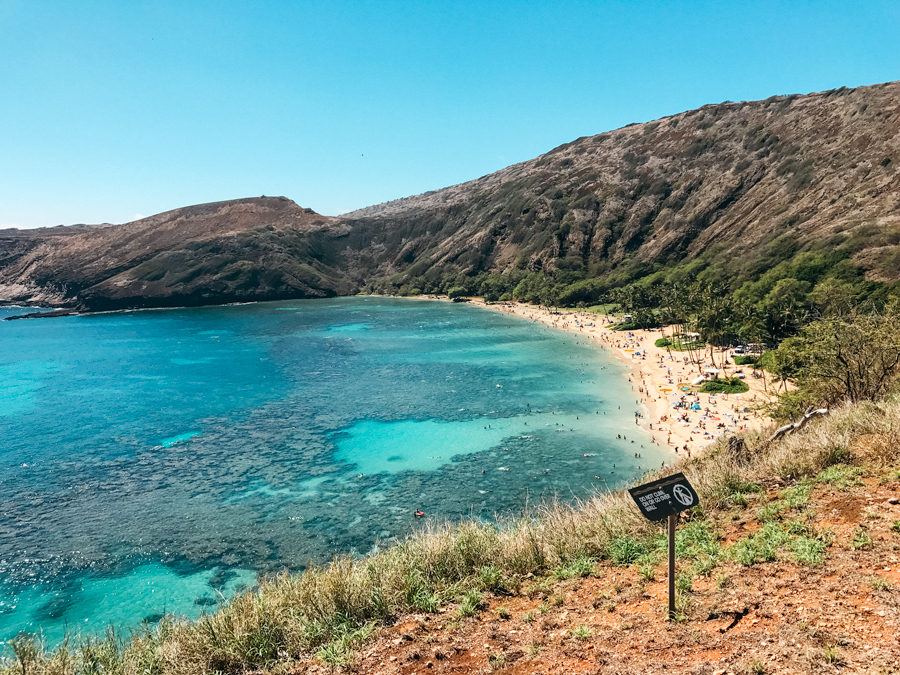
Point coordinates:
pixel 113 109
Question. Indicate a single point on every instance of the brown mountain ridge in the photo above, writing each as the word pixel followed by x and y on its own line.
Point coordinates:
pixel 241 250
pixel 734 180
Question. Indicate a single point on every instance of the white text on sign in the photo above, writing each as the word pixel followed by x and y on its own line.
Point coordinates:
pixel 651 499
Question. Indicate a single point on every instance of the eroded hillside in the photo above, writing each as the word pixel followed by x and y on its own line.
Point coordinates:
pixel 744 185
pixel 249 249
pixel 815 170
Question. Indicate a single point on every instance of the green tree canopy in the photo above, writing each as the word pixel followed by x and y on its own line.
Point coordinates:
pixel 855 357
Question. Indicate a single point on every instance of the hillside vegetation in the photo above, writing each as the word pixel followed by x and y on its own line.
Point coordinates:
pixel 722 194
pixel 793 187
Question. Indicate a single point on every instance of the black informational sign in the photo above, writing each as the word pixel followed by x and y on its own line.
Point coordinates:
pixel 664 497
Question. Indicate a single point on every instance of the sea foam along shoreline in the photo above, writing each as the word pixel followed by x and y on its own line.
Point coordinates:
pixel 654 384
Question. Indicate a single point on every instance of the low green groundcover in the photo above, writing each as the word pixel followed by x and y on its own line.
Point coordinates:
pixel 731 385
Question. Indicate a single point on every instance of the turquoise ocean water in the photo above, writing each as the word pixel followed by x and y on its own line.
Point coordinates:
pixel 157 461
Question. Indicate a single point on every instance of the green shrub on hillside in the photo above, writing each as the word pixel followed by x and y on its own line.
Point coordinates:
pixel 579 567
pixel 624 551
pixel 853 357
pixel 662 342
pixel 744 360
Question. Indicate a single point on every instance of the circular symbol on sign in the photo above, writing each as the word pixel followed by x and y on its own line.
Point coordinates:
pixel 683 495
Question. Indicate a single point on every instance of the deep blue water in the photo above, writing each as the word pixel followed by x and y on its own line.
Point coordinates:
pixel 156 461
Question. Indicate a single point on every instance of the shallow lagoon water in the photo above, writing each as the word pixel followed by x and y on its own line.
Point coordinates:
pixel 156 461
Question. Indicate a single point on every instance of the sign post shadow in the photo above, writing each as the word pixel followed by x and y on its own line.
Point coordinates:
pixel 666 498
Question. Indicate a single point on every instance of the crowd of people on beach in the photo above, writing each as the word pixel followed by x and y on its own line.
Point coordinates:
pixel 665 389
pixel 678 416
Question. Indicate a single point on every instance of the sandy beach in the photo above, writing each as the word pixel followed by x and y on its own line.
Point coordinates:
pixel 684 423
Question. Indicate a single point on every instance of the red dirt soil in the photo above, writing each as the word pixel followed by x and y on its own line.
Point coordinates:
pixel 780 617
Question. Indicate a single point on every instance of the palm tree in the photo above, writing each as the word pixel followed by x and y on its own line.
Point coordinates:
pixel 715 317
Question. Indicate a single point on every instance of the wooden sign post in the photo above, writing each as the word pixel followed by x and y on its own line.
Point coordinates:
pixel 665 498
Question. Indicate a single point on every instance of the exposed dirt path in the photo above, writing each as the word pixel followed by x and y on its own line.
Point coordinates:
pixel 777 617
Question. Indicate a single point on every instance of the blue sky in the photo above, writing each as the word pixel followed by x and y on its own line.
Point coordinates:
pixel 115 109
